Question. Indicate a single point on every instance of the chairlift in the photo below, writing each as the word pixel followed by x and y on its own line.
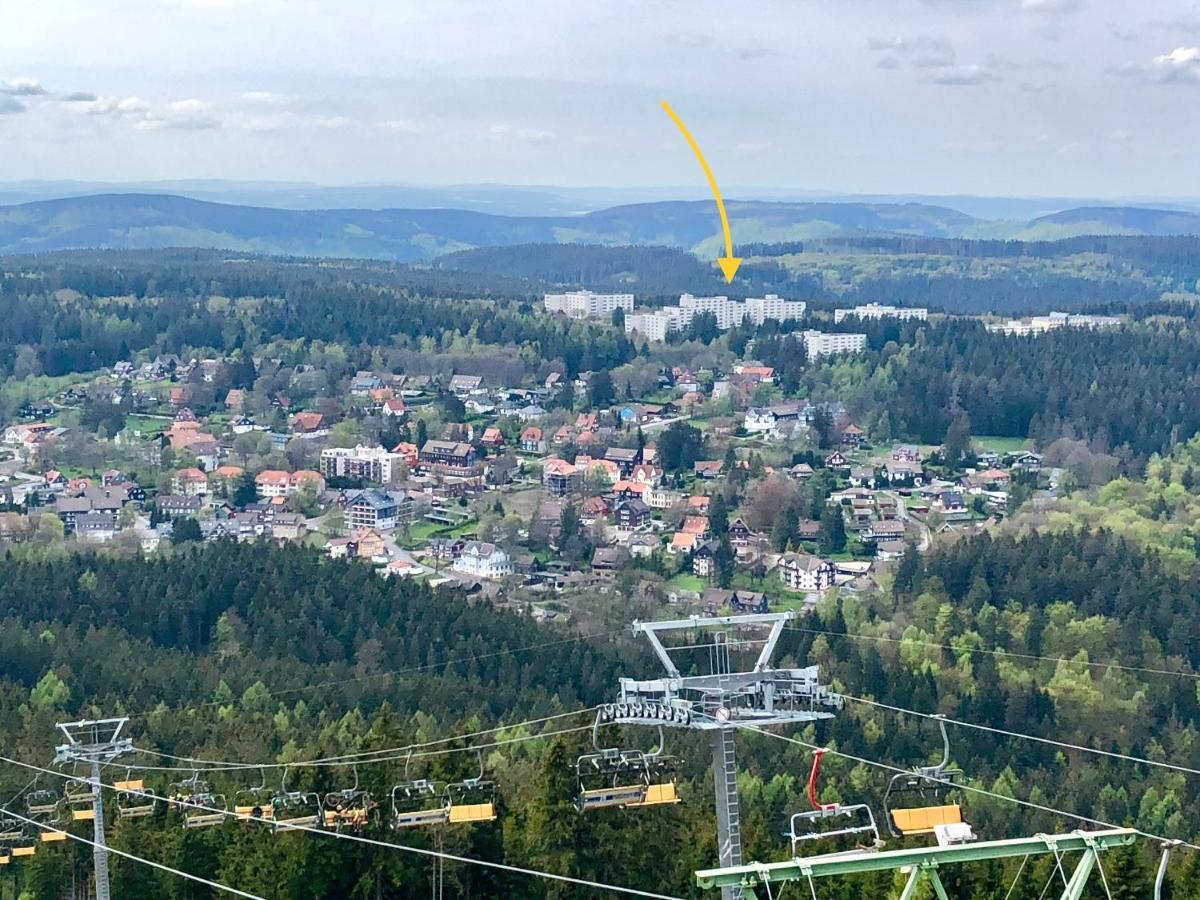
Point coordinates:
pixel 418 802
pixel 42 804
pixel 915 801
pixel 79 799
pixel 472 799
pixel 297 809
pixel 200 805
pixel 630 779
pixel 349 808
pixel 804 827
pixel 254 802
pixel 27 844
pixel 133 800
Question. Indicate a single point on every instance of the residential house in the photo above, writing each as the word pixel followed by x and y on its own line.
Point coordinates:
pixel 852 436
pixel 309 424
pixel 560 477
pixel 608 561
pixel 593 510
pixel 369 544
pixel 532 440
pixel 660 497
pixel 393 408
pixel 288 526
pixel 805 573
pixel 644 545
pixel 835 460
pixel 464 385
pixel 480 559
pixel 273 483
pixel 903 471
pixel 906 453
pixel 69 509
pixel 492 437
pixel 632 515
pixel 862 476
pixel 96 527
pixel 684 542
pixel 372 464
pixel 704 559
pixel 625 458
pixel 449 457
pixel 878 530
pixel 190 483
pixel 176 506
pixel 708 468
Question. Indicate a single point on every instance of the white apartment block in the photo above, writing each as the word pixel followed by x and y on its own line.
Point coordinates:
pixel 372 463
pixel 586 305
pixel 820 343
pixel 774 308
pixel 658 324
pixel 878 311
pixel 1042 324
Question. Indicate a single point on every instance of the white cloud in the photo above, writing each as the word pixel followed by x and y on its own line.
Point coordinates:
pixel 22 87
pixel 265 98
pixel 963 76
pixel 9 106
pixel 1052 7
pixel 79 97
pixel 531 135
pixel 1180 65
pixel 920 52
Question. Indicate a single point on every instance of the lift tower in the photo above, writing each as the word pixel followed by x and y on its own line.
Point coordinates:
pixel 95 741
pixel 722 700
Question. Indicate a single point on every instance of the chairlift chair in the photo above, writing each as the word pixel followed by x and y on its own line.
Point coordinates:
pixel 27 845
pixel 472 799
pixel 78 796
pixel 133 800
pixel 349 808
pixel 254 802
pixel 805 827
pixel 915 801
pixel 42 804
pixel 200 805
pixel 297 809
pixel 629 779
pixel 419 803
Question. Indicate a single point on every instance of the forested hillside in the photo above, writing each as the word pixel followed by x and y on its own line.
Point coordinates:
pixel 261 654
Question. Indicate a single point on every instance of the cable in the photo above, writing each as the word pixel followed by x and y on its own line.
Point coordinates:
pixel 997 652
pixel 365 840
pixel 382 755
pixel 147 862
pixel 1028 737
pixel 964 787
pixel 445 662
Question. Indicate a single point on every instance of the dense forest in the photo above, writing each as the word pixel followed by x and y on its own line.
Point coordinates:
pixel 262 654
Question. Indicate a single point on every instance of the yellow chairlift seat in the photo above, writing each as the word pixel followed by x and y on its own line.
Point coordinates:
pixel 307 821
pixel 923 820
pixel 50 837
pixel 656 795
pixel 83 815
pixel 472 812
pixel 43 809
pixel 27 850
pixel 5 858
pixel 135 786
pixel 356 817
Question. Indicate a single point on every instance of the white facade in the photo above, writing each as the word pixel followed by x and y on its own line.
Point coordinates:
pixel 802 572
pixel 878 311
pixel 586 305
pixel 774 308
pixel 482 560
pixel 1042 324
pixel 820 343
pixel 657 324
pixel 372 463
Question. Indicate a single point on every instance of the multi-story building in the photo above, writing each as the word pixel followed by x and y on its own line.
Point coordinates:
pixel 482 560
pixel 382 510
pixel 804 572
pixel 774 308
pixel 370 463
pixel 820 343
pixel 452 457
pixel 879 311
pixel 586 305
pixel 1042 324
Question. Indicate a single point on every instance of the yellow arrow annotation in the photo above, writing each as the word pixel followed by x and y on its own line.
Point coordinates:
pixel 728 263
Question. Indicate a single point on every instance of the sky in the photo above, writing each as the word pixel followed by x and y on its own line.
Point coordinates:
pixel 1094 98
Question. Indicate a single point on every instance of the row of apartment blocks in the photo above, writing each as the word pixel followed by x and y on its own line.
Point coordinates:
pixel 879 311
pixel 586 305
pixel 1042 324
pixel 656 324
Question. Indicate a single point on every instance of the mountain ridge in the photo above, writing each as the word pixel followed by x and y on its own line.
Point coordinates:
pixel 418 235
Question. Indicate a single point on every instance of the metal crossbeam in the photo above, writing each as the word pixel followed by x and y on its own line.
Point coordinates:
pixel 922 861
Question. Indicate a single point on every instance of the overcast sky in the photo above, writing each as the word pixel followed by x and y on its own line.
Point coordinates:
pixel 1033 97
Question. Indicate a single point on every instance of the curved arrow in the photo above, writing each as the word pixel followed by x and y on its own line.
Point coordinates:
pixel 728 263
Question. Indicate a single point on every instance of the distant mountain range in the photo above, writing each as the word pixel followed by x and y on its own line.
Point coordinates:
pixel 141 221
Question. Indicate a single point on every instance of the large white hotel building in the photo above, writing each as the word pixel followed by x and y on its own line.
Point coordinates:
pixel 586 305
pixel 655 325
pixel 878 311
